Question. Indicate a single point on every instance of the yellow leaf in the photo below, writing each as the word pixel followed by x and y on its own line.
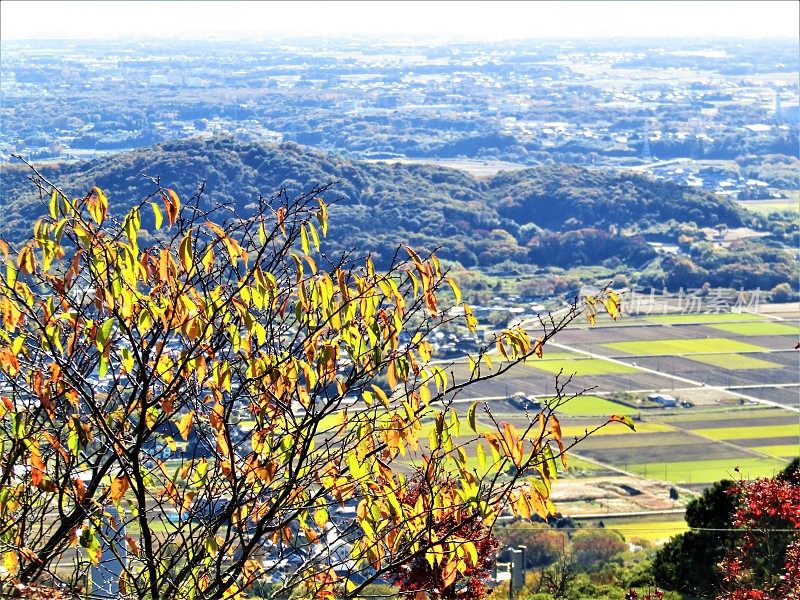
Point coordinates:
pixel 54 204
pixel 320 517
pixel 208 259
pixel 472 322
pixel 26 261
pixel 11 561
pixel 456 291
pixel 624 419
pixel 185 424
pixel 186 253
pixel 158 217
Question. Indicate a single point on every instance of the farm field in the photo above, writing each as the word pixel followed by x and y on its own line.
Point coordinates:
pixel 699 319
pixel 591 406
pixel 757 329
pixel 581 366
pixel 703 471
pixel 650 531
pixel 767 207
pixel 685 346
pixel 749 431
pixel 722 364
pixel 734 362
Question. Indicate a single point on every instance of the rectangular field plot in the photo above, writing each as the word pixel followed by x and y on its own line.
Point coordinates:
pixel 767 207
pixel 756 329
pixel 581 366
pixel 731 418
pixel 691 450
pixel 635 441
pixel 590 406
pixel 570 431
pixel 734 362
pixel 750 431
pixel 652 531
pixel 706 471
pixel 699 319
pixel 682 347
pixel 781 451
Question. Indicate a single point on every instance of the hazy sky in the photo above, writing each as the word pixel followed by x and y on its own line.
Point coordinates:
pixel 459 20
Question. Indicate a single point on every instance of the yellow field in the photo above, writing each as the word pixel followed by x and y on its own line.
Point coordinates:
pixel 780 451
pixel 751 431
pixel 733 362
pixel 651 531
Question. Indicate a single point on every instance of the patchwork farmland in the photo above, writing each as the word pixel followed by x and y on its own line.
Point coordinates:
pixel 734 378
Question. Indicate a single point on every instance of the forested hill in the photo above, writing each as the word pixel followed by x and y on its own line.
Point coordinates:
pixel 512 216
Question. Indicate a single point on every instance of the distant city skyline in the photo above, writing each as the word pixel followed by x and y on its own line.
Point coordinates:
pixel 490 21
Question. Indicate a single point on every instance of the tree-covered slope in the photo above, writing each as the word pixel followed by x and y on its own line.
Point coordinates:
pixel 533 216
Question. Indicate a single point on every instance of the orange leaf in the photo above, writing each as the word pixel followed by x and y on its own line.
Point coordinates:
pixel 132 545
pixel 173 205
pixel 118 488
pixel 37 466
pixel 555 428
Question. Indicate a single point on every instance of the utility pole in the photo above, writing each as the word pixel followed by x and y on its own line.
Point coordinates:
pixel 517 572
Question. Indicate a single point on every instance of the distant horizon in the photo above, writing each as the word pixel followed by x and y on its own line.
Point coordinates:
pixel 434 22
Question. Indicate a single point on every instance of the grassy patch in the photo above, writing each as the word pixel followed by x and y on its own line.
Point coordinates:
pixel 645 530
pixel 695 319
pixel 734 362
pixel 780 451
pixel 683 347
pixel 751 431
pixel 751 329
pixel 579 464
pixel 767 207
pixel 703 471
pixel 581 366
pixel 591 406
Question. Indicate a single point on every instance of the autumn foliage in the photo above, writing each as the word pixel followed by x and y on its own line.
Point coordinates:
pixel 189 398
pixel 765 563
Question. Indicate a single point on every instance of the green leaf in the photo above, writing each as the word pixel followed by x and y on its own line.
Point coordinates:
pixel 471 417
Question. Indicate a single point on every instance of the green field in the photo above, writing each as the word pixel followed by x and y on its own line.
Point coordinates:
pixel 682 347
pixel 780 451
pixel 591 406
pixel 699 319
pixel 767 207
pixel 652 531
pixel 751 329
pixel 706 471
pixel 581 366
pixel 733 362
pixel 578 464
pixel 749 432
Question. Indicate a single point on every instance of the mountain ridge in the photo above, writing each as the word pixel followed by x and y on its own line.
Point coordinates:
pixel 378 206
